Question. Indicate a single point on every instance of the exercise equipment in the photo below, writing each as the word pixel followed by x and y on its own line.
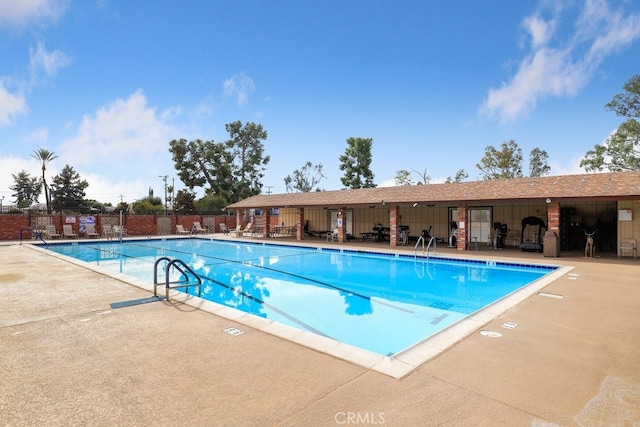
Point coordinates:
pixel 536 244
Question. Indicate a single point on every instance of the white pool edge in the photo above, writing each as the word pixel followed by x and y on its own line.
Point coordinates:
pixel 397 366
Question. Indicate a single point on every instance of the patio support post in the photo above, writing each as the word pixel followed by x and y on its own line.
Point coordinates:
pixel 342 226
pixel 267 222
pixel 300 224
pixel 394 215
pixel 239 221
pixel 463 223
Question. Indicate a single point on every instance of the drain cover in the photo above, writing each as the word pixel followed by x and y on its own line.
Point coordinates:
pixel 234 331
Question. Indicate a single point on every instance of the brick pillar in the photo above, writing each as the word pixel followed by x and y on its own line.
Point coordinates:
pixel 463 224
pixel 300 224
pixel 239 215
pixel 553 226
pixel 553 217
pixel 342 225
pixel 394 216
pixel 267 222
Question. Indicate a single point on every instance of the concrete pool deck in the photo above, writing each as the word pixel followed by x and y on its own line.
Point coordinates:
pixel 68 358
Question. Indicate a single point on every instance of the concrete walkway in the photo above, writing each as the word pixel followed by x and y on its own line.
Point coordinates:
pixel 69 359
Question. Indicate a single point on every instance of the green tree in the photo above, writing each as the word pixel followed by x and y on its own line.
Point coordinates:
pixel 403 178
pixel 505 163
pixel 184 202
pixel 538 165
pixel 204 164
pixel 45 156
pixel 249 161
pixel 621 151
pixel 146 207
pixel 356 163
pixel 305 179
pixel 67 190
pixel 150 205
pixel 26 189
pixel 460 176
pixel 210 204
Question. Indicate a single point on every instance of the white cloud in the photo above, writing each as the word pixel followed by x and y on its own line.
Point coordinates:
pixel 11 105
pixel 20 13
pixel 125 128
pixel 50 62
pixel 565 69
pixel 239 86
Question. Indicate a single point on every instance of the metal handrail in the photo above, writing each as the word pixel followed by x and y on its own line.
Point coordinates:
pixel 415 248
pixel 179 265
pixel 425 250
pixel 35 233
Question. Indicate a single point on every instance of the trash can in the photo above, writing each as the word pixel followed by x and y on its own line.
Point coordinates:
pixel 551 244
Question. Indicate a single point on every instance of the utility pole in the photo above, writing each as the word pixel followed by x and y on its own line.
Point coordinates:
pixel 164 179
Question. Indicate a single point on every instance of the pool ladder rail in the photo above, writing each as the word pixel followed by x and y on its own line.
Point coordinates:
pixel 184 270
pixel 425 250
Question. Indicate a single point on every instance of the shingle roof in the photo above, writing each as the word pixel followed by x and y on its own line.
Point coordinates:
pixel 611 186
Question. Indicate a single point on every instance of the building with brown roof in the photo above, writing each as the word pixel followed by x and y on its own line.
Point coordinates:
pixel 569 206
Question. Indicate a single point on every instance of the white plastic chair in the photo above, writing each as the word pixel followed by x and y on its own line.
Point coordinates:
pixel 628 245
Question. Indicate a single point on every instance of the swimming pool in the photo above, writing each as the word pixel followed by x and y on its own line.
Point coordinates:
pixel 384 303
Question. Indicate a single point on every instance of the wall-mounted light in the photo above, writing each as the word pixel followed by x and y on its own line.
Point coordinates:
pixel 548 200
pixel 415 204
pixel 382 202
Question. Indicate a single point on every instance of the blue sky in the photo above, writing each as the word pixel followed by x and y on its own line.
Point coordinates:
pixel 106 84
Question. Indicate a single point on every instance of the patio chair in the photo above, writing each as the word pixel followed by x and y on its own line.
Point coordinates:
pixel 628 245
pixel 90 231
pixel 247 229
pixel 51 232
pixel 199 229
pixel 332 235
pixel 119 230
pixel 67 231
pixel 223 228
pixel 107 231
pixel 181 230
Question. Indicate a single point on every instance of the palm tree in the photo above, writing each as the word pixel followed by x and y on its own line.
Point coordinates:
pixel 45 156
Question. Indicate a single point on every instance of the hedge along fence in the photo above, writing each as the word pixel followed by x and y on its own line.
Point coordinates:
pixel 135 225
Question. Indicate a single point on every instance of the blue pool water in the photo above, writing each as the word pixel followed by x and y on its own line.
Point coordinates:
pixel 379 302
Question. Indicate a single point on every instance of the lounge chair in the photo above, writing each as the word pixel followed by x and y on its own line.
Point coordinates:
pixel 197 228
pixel 90 231
pixel 51 232
pixel 223 228
pixel 181 230
pixel 67 231
pixel 247 229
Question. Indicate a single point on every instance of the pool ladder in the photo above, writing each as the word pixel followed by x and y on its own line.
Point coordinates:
pixel 183 268
pixel 432 241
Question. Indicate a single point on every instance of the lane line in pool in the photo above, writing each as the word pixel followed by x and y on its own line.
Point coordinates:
pixel 258 300
pixel 250 264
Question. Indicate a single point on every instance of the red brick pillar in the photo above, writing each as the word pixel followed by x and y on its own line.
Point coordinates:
pixel 552 240
pixel 267 222
pixel 463 224
pixel 553 217
pixel 300 224
pixel 342 225
pixel 394 216
pixel 239 215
